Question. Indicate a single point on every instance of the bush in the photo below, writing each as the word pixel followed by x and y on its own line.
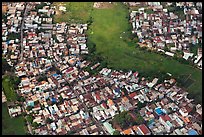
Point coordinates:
pixel 40 6
pixel 35 125
pixel 29 108
pixel 29 119
pixel 13 36
pixel 116 132
pixel 48 120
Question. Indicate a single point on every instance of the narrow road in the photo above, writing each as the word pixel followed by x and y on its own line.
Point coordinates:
pixel 22 26
pixel 21 57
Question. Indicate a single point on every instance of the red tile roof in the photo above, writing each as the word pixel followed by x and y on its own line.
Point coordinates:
pixel 132 95
pixel 144 129
pixel 165 117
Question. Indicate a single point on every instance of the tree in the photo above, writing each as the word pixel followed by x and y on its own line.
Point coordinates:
pixel 29 108
pixel 35 124
pixel 36 102
pixel 5 66
pixel 23 113
pixel 29 118
pixel 13 36
pixel 123 119
pixel 48 120
pixel 61 99
pixel 116 132
pixel 139 119
pixel 141 105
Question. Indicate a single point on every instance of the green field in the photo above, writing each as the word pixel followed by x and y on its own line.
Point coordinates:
pixel 105 31
pixel 8 89
pixel 76 12
pixel 11 126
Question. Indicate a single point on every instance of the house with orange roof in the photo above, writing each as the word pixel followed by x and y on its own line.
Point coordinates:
pixel 128 131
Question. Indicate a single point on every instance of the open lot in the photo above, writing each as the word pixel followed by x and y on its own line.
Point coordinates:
pixel 75 11
pixel 106 31
pixel 11 126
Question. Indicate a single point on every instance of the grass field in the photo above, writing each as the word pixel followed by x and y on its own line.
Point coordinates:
pixel 11 126
pixel 106 31
pixel 8 89
pixel 76 12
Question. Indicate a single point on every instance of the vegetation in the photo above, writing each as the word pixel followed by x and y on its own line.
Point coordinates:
pixel 6 66
pixel 28 108
pixel 30 118
pixel 139 119
pixel 8 89
pixel 11 126
pixel 116 132
pixel 123 119
pixel 76 12
pixel 35 124
pixel 120 53
pixel 49 121
pixel 40 6
pixel 194 48
pixel 149 11
pixel 141 105
pixel 13 36
pixel 42 77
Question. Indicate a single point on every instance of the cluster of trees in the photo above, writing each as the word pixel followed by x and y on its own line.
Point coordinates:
pixel 123 119
pixel 13 36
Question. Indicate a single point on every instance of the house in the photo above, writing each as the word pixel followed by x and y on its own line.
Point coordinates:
pixel 128 131
pixel 165 120
pixel 192 132
pixel 108 127
pixel 14 111
pixel 143 130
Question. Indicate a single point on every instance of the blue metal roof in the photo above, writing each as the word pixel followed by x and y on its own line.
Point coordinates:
pixel 53 100
pixel 159 111
pixel 54 75
pixel 192 132
pixel 117 90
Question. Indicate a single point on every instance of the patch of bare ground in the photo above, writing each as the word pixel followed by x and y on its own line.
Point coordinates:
pixel 103 5
pixel 4 8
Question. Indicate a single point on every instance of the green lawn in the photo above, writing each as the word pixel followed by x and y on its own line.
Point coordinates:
pixel 105 31
pixel 76 12
pixel 8 89
pixel 11 126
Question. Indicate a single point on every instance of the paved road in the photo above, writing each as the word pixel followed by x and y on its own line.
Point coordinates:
pixel 21 57
pixel 22 26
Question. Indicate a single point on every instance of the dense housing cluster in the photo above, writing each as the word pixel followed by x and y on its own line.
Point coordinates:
pixel 62 98
pixel 165 29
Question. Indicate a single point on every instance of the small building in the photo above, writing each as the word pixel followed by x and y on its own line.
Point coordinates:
pixel 109 128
